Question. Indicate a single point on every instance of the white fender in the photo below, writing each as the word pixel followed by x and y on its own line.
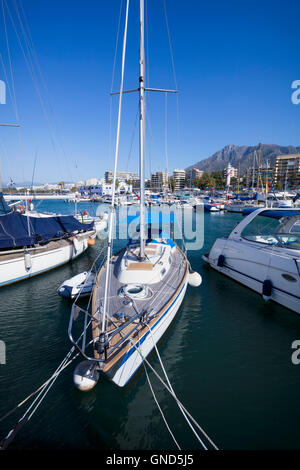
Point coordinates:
pixel 195 279
pixel 27 261
pixel 85 376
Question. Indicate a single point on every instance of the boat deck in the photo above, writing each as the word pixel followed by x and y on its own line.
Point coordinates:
pixel 159 296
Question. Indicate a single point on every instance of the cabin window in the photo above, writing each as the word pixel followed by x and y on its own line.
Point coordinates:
pixel 283 232
pixel 163 272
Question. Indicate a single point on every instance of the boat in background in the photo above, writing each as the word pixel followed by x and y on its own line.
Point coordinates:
pixel 77 286
pixel 211 207
pixel 32 245
pixel 239 206
pixel 263 253
pixel 99 222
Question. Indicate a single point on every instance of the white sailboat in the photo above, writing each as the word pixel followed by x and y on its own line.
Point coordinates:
pixel 138 291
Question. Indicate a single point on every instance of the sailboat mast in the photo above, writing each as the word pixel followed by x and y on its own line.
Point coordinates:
pixel 142 131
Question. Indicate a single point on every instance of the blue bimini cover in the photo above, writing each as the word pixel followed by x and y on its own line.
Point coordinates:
pixel 45 228
pixel 70 224
pixel 14 231
pixel 17 230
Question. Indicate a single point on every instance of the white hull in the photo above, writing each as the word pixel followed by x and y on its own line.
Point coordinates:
pixel 13 265
pixel 133 359
pixel 100 224
pixel 251 266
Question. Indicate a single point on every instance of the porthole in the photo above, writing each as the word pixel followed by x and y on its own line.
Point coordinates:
pixel 288 277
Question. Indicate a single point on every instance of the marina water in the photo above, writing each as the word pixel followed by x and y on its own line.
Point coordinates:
pixel 229 363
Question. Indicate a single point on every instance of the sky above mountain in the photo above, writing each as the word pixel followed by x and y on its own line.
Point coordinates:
pixel 234 61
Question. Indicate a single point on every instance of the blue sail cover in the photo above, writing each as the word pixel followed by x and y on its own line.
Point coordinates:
pixel 17 230
pixel 14 231
pixel 69 224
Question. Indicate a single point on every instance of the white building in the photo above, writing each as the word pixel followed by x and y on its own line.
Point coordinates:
pixel 105 189
pixel 193 174
pixel 179 179
pixel 160 180
pixel 91 182
pixel 122 176
pixel 230 171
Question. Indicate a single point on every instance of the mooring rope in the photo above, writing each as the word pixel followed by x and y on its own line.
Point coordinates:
pixel 42 392
pixel 179 403
pixel 159 407
pixel 171 388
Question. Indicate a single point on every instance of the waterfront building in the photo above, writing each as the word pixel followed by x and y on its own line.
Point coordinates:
pixel 160 181
pixel 287 170
pixel 91 182
pixel 105 189
pixel 179 177
pixel 193 174
pixel 122 176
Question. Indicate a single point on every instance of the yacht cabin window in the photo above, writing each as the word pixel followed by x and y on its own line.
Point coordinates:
pixel 283 232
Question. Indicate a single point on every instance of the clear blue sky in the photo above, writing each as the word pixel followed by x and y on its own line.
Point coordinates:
pixel 235 62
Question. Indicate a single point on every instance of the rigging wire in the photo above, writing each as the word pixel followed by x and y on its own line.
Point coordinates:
pixel 112 82
pixel 147 95
pixel 150 140
pixel 27 55
pixel 132 137
pixel 174 74
pixel 13 90
pixel 112 208
pixel 34 59
pixel 43 389
pixel 166 135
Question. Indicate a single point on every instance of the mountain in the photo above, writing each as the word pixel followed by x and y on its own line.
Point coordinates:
pixel 234 154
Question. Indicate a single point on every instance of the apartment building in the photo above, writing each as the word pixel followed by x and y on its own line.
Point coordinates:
pixel 287 169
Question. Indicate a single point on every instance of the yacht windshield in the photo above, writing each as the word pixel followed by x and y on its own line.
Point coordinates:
pixel 281 232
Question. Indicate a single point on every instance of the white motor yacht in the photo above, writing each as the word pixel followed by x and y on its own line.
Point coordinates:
pixel 263 253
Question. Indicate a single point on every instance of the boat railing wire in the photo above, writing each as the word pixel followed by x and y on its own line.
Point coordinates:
pixel 140 317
